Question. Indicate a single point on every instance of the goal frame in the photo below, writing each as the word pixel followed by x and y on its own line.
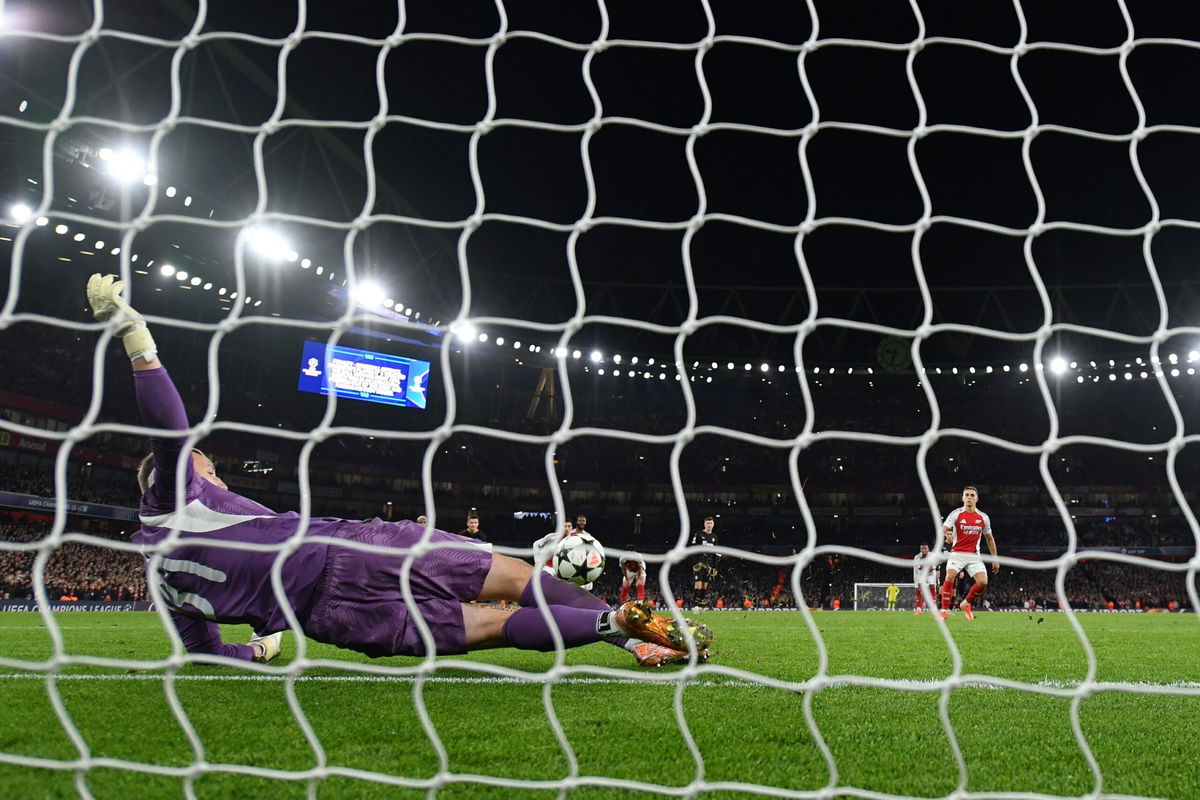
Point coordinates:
pixel 858 587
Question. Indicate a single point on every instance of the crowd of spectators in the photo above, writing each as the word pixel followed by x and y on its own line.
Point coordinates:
pixel 95 572
pixel 73 571
pixel 866 494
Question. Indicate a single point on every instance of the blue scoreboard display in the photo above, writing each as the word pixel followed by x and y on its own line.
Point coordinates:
pixel 363 375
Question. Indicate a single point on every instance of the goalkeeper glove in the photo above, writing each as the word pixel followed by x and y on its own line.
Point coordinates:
pixel 266 647
pixel 104 296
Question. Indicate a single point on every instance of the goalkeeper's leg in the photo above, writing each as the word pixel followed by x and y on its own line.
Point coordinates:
pixel 510 575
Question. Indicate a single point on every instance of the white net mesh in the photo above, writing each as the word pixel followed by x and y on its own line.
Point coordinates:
pixel 776 154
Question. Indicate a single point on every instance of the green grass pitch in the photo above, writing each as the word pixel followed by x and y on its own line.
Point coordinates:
pixel 747 735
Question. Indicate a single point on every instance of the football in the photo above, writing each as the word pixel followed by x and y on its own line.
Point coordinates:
pixel 579 559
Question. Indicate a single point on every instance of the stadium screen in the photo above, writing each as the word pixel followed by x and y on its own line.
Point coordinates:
pixel 363 375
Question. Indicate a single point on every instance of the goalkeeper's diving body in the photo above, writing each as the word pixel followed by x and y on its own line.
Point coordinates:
pixel 340 595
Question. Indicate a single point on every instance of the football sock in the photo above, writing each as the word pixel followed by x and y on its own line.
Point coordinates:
pixel 975 589
pixel 564 593
pixel 947 593
pixel 625 594
pixel 527 629
pixel 641 593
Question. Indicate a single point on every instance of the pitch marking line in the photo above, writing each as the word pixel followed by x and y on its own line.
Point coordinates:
pixel 499 680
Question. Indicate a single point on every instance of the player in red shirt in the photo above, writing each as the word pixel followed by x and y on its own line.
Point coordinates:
pixel 925 573
pixel 633 574
pixel 963 529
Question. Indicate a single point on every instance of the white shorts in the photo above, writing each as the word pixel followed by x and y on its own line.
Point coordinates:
pixel 965 563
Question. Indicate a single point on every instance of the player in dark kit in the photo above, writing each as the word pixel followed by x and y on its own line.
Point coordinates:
pixel 340 594
pixel 704 569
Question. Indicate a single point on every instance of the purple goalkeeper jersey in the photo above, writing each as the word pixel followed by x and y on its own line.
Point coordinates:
pixel 203 582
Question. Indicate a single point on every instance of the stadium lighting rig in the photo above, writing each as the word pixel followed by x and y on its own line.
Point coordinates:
pixel 125 166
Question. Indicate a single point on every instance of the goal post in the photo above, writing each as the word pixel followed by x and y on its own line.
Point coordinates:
pixel 874 596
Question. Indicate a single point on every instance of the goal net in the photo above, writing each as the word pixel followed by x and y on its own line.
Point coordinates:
pixel 805 268
pixel 875 597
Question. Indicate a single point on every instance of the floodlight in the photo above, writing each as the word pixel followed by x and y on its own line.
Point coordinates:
pixel 368 294
pixel 79 237
pixel 596 356
pixel 41 221
pixel 268 243
pixel 180 275
pixel 499 341
pixel 166 270
pixel 20 212
pixel 124 165
pixel 464 330
pixel 170 192
pixel 483 337
pixel 195 281
pixel 1058 365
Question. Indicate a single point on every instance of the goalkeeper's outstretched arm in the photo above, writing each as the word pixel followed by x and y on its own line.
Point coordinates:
pixel 157 398
pixel 161 407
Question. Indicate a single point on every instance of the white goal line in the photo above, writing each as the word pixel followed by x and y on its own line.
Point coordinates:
pixel 1190 688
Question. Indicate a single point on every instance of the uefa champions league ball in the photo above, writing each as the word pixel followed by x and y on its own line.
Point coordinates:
pixel 579 559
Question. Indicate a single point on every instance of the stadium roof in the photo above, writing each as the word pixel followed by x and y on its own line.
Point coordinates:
pixel 490 115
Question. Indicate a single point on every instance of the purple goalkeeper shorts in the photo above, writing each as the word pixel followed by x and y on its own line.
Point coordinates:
pixel 360 600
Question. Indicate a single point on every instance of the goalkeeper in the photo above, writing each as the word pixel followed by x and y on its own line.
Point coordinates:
pixel 341 595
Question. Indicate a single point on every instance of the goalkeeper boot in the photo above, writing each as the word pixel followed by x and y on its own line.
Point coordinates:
pixel 966 609
pixel 639 622
pixel 649 654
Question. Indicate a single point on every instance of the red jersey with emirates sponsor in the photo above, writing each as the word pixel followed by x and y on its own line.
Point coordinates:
pixel 968 527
